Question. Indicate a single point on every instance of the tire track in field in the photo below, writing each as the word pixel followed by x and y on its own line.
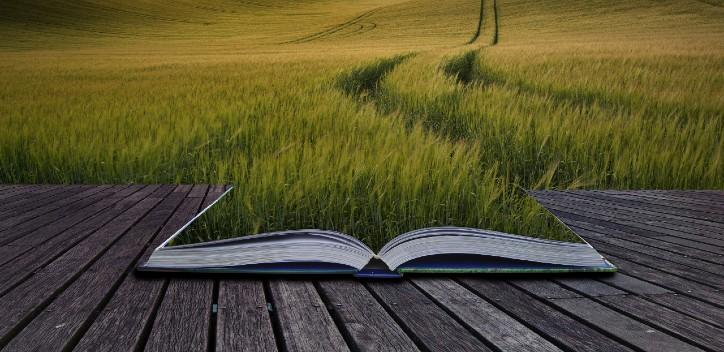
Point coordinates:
pixel 362 27
pixel 712 3
pixel 339 27
pixel 496 23
pixel 481 23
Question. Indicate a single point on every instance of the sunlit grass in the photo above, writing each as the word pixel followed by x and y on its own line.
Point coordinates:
pixel 368 117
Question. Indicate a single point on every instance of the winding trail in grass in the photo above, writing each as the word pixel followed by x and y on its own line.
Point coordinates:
pixel 480 23
pixel 496 23
pixel 336 28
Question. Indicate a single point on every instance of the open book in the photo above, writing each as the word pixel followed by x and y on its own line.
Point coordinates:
pixel 430 250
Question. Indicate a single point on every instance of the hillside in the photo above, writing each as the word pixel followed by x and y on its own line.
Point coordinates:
pixel 370 117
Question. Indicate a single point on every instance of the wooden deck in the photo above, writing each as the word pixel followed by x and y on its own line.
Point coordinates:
pixel 67 255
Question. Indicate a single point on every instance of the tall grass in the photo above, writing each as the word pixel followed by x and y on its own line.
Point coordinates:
pixel 372 117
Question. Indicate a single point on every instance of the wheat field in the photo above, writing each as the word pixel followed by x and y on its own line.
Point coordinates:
pixel 368 117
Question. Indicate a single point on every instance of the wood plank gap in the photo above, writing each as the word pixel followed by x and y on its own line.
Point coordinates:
pixel 274 317
pixel 51 250
pixel 80 302
pixel 129 307
pixel 192 307
pixel 305 322
pixel 680 270
pixel 146 330
pixel 607 319
pixel 605 300
pixel 659 254
pixel 34 205
pixel 628 221
pixel 336 319
pixel 690 214
pixel 457 318
pixel 76 337
pixel 410 334
pixel 431 324
pixel 679 285
pixel 243 322
pixel 562 212
pixel 705 225
pixel 34 198
pixel 673 205
pixel 569 338
pixel 690 338
pixel 680 198
pixel 54 215
pixel 657 242
pixel 213 317
pixel 8 332
pixel 363 318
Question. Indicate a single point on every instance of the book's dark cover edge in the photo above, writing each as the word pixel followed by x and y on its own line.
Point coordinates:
pixel 376 269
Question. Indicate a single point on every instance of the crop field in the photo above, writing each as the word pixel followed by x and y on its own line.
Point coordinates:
pixel 368 117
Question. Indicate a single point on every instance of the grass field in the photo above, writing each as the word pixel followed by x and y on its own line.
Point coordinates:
pixel 368 117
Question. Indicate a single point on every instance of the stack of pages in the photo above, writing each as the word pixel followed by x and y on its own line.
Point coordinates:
pixel 429 250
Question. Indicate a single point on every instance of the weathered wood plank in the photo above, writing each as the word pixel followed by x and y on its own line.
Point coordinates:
pixel 363 319
pixel 654 209
pixel 713 197
pixel 633 285
pixel 693 198
pixel 17 201
pixel 687 272
pixel 19 269
pixel 585 230
pixel 198 191
pixel 4 188
pixel 90 207
pixel 30 201
pixel 545 320
pixel 31 295
pixel 543 288
pixel 34 208
pixel 135 302
pixel 58 326
pixel 623 222
pixel 693 244
pixel 642 219
pixel 10 252
pixel 668 281
pixel 195 293
pixel 656 276
pixel 705 224
pixel 702 334
pixel 643 336
pixel 39 196
pixel 700 223
pixel 10 193
pixel 589 287
pixel 661 255
pixel 182 323
pixel 711 296
pixel 30 221
pixel 243 323
pixel 304 321
pixel 214 193
pixel 672 204
pixel 494 325
pixel 689 240
pixel 431 325
pixel 694 308
pixel 186 305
